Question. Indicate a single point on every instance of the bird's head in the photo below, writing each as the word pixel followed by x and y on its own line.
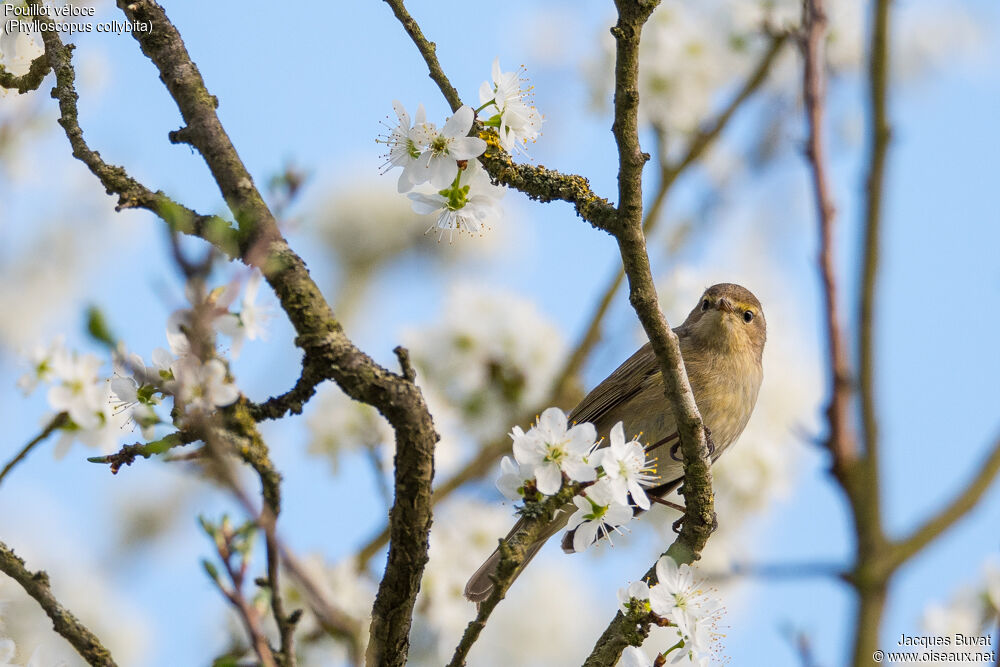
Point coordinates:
pixel 728 318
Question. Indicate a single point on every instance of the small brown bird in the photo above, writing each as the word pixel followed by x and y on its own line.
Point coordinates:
pixel 722 342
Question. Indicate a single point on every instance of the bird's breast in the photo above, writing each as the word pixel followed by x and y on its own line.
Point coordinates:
pixel 725 388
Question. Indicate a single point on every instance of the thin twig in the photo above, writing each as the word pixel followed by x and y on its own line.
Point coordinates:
pixel 54 425
pixel 131 193
pixel 428 51
pixel 234 594
pixel 839 441
pixel 512 554
pixel 711 130
pixel 127 455
pixel 779 571
pixel 960 505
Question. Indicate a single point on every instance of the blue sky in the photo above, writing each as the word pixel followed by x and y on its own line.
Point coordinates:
pixel 311 86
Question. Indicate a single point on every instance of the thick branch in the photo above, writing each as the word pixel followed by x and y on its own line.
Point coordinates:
pixel 857 473
pixel 878 85
pixel 28 81
pixel 699 515
pixel 259 242
pixel 36 584
pixel 319 334
pixel 547 185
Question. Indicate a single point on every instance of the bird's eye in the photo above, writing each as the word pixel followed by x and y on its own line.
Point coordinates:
pixel 747 315
pixel 704 305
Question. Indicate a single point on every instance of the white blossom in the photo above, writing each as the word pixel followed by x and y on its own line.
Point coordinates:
pixel 17 49
pixel 40 358
pixel 633 656
pixel 971 610
pixel 8 650
pixel 517 121
pixel 76 388
pixel 552 447
pixel 339 424
pixel 105 434
pixel 215 316
pixel 406 144
pixel 202 387
pixel 250 322
pixel 447 147
pixel 469 205
pixel 637 590
pixel 678 596
pixel 512 478
pixel 491 354
pixel 597 514
pixel 626 468
pixel 135 387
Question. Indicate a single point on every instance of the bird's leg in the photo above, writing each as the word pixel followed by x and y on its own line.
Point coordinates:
pixel 709 442
pixel 679 508
pixel 675 455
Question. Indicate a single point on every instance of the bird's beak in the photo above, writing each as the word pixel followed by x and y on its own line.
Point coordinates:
pixel 724 305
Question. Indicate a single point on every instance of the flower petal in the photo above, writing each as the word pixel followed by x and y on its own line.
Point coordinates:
pixel 466 148
pixel 585 535
pixel 548 478
pixel 404 118
pixel 459 124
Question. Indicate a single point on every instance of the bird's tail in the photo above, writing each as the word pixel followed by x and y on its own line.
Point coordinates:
pixel 481 583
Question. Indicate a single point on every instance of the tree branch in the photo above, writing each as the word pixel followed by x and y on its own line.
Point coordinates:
pixel 512 554
pixel 30 80
pixel 116 181
pixel 54 425
pixel 293 401
pixel 699 515
pixel 36 584
pixel 258 241
pixel 127 455
pixel 959 506
pixel 878 85
pixel 839 441
pixel 711 130
pixel 428 51
pixel 545 185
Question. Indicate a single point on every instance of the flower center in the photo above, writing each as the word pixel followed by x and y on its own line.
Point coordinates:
pixel 554 453
pixel 439 145
pixel 411 149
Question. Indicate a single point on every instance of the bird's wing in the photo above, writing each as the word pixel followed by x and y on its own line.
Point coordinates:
pixel 618 388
